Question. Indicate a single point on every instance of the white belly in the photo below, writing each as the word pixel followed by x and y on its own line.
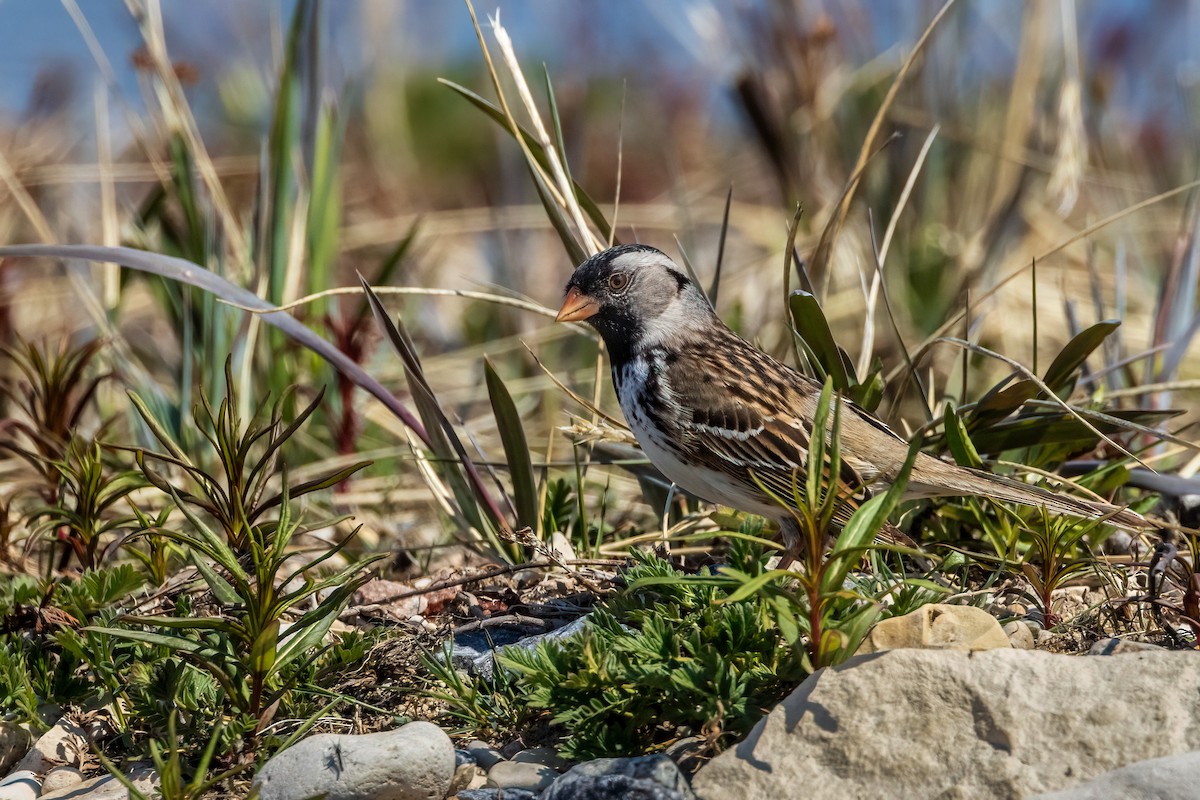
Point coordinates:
pixel 709 484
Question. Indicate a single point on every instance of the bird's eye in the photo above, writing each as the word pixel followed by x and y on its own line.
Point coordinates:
pixel 618 281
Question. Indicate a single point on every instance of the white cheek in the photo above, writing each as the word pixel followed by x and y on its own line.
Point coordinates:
pixel 677 320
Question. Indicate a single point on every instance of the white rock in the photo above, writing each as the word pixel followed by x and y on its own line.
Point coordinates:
pixel 14 744
pixel 20 785
pixel 61 778
pixel 520 775
pixel 414 762
pixel 1168 778
pixel 106 787
pixel 949 724
pixel 937 626
pixel 1019 634
pixel 65 743
pixel 1114 646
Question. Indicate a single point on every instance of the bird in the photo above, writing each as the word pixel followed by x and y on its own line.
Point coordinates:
pixel 725 421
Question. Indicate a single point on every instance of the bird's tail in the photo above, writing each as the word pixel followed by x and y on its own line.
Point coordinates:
pixel 984 484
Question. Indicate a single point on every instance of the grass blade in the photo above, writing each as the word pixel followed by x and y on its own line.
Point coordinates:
pixel 516 450
pixel 184 271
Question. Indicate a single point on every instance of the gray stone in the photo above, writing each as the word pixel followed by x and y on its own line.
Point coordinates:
pixel 106 787
pixel 467 775
pixel 1117 543
pixel 484 754
pixel 497 794
pixel 1168 778
pixel 516 775
pixel 64 743
pixel 414 762
pixel 1019 634
pixel 61 778
pixel 546 756
pixel 14 744
pixel 482 657
pixel 951 724
pixel 645 778
pixel 1115 646
pixel 688 753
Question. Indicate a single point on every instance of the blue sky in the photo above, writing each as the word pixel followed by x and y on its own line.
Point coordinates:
pixel 631 37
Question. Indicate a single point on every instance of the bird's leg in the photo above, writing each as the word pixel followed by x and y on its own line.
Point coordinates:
pixel 793 543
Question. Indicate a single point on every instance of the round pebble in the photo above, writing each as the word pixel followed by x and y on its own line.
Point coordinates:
pixel 1019 634
pixel 61 778
pixel 516 775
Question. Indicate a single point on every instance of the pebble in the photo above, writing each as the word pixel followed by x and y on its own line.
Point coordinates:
pixel 1114 646
pixel 497 794
pixel 518 775
pixel 414 762
pixel 937 626
pixel 20 785
pixel 546 756
pixel 1019 634
pixel 484 754
pixel 14 744
pixel 466 776
pixel 645 778
pixel 106 787
pixel 64 743
pixel 483 663
pixel 61 778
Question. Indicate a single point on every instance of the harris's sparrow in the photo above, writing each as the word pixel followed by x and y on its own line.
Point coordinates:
pixel 722 419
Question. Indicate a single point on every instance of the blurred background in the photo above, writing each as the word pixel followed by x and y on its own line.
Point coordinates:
pixel 1019 126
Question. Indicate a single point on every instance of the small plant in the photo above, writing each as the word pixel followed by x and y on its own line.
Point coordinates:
pixel 50 392
pixel 45 662
pixel 824 618
pixel 89 487
pixel 669 656
pixel 486 707
pixel 245 562
pixel 1057 553
pixel 172 767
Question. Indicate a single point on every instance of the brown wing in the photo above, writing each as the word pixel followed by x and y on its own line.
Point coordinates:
pixel 750 417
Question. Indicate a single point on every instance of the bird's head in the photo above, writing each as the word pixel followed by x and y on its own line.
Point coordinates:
pixel 635 296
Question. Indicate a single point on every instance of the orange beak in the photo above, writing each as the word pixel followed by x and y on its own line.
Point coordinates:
pixel 576 307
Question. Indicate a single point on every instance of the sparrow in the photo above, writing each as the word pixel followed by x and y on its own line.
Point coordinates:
pixel 722 419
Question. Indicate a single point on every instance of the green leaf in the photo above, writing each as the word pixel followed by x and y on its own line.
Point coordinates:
pixel 456 466
pixel 863 526
pixel 959 441
pixel 1000 402
pixel 157 428
pixel 262 649
pixel 221 589
pixel 753 586
pixel 869 393
pixel 516 450
pixel 816 447
pixel 813 329
pixel 1050 428
pixel 1059 376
